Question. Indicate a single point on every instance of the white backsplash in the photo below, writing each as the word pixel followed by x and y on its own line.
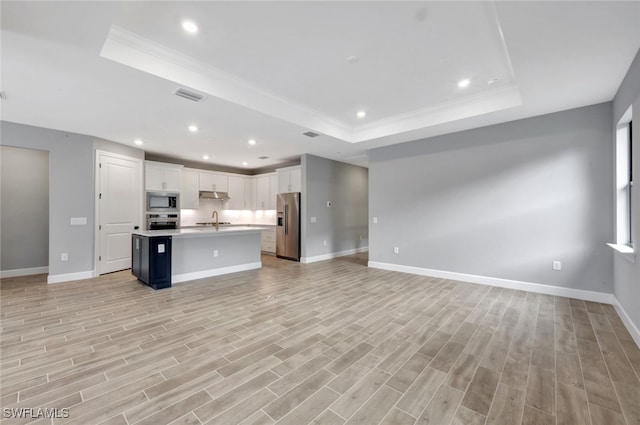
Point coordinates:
pixel 207 206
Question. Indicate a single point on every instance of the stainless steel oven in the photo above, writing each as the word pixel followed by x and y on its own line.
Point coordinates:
pixel 163 221
pixel 163 202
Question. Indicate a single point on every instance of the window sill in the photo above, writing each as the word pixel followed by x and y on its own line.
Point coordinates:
pixel 625 251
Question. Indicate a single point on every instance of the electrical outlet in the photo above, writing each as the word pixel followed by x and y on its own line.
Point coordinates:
pixel 557 265
pixel 215 252
pixel 64 256
pixel 396 250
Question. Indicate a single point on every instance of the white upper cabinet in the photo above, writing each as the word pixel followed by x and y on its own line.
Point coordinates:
pixel 236 193
pixel 289 179
pixel 273 191
pixel 163 177
pixel 266 191
pixel 262 192
pixel 250 193
pixel 189 192
pixel 214 182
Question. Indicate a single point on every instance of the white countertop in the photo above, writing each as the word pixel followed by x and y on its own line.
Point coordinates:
pixel 200 231
pixel 198 226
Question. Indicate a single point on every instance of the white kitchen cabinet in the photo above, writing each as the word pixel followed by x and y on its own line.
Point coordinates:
pixel 236 193
pixel 214 182
pixel 262 192
pixel 266 191
pixel 273 190
pixel 249 193
pixel 289 179
pixel 268 240
pixel 160 176
pixel 189 191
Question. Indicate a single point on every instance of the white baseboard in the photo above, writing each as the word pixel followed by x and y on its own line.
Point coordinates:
pixel 177 278
pixel 628 323
pixel 600 297
pixel 331 255
pixel 67 277
pixel 23 272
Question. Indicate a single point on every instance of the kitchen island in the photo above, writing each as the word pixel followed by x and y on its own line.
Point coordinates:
pixel 187 254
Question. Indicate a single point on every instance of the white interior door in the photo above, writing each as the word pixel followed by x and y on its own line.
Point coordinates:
pixel 119 209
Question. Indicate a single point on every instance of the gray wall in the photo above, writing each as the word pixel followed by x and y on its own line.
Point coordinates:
pixel 344 225
pixel 112 147
pixel 70 192
pixel 150 156
pixel 502 201
pixel 71 189
pixel 24 208
pixel 626 274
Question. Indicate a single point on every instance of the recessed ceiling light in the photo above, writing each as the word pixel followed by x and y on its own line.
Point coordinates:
pixel 137 142
pixel 252 142
pixel 245 163
pixel 464 83
pixel 193 128
pixel 361 114
pixel 190 27
pixel 205 156
pixel 492 81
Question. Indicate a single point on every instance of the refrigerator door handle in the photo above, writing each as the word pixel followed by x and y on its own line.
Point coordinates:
pixel 286 219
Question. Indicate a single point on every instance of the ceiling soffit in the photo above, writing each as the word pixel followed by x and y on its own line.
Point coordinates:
pixel 141 52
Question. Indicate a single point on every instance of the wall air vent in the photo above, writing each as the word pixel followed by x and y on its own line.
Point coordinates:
pixel 311 134
pixel 190 95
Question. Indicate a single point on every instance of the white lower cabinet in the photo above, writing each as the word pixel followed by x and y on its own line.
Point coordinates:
pixel 268 240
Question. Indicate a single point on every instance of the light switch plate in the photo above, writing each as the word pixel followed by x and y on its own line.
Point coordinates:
pixel 313 219
pixel 160 248
pixel 78 221
pixel 375 219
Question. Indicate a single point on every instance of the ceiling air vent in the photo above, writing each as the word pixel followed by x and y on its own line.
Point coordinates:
pixel 311 134
pixel 263 157
pixel 190 95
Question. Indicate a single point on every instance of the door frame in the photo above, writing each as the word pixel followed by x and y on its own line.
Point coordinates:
pixel 96 206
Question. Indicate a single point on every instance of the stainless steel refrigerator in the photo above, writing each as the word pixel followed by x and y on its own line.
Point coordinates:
pixel 288 226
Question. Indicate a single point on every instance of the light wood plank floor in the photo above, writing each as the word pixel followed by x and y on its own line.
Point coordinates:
pixel 328 343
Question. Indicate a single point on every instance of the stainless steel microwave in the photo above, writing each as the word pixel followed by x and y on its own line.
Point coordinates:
pixel 163 202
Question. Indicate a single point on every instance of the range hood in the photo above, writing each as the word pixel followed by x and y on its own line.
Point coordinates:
pixel 222 196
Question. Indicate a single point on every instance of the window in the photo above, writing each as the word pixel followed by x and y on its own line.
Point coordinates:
pixel 630 185
pixel 624 181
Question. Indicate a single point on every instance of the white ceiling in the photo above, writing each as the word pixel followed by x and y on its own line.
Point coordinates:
pixel 273 70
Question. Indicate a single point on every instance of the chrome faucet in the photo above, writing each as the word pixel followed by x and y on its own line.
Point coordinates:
pixel 215 216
